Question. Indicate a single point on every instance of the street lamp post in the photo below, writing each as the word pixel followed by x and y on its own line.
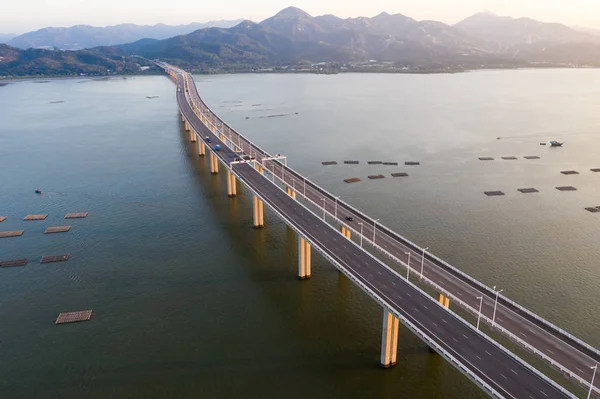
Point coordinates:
pixel 323 199
pixel 592 382
pixel 335 208
pixel 495 306
pixel 374 230
pixel 407 265
pixel 361 233
pixel 304 189
pixel 423 260
pixel 480 305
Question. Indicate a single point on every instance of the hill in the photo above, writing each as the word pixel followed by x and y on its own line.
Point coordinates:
pixel 4 37
pixel 38 62
pixel 85 36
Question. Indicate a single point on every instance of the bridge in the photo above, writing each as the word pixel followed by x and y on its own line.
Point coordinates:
pixel 320 220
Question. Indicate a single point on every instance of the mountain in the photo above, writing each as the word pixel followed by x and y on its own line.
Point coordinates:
pixel 4 37
pixel 591 31
pixel 293 36
pixel 85 36
pixel 40 62
pixel 505 32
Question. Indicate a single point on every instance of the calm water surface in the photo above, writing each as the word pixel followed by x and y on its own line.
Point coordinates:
pixel 190 301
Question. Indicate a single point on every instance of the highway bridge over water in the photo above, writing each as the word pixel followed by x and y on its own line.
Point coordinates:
pixel 300 202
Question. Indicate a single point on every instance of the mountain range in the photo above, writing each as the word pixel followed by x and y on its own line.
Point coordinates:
pixel 4 37
pixel 293 40
pixel 293 36
pixel 85 36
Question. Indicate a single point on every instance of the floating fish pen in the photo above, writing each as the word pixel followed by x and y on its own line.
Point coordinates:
pixel 569 172
pixel 531 157
pixel 593 209
pixel 374 162
pixel 16 233
pixel 373 177
pixel 412 163
pixel 73 317
pixel 351 162
pixel 566 188
pixel 2 219
pixel 399 174
pixel 510 158
pixel 55 258
pixel 57 229
pixel 13 262
pixel 79 215
pixel 486 158
pixel 329 163
pixel 391 163
pixel 352 180
pixel 542 143
pixel 528 190
pixel 493 193
pixel 593 170
pixel 35 217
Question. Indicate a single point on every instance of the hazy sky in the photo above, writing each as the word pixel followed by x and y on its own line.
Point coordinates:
pixel 22 16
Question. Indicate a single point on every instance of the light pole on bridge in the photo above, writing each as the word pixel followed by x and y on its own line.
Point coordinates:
pixel 323 199
pixel 335 207
pixel 374 230
pixel 480 305
pixel 592 382
pixel 361 233
pixel 495 306
pixel 423 260
pixel 407 266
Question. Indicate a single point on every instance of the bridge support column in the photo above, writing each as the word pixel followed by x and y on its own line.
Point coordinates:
pixel 346 232
pixel 231 184
pixel 291 192
pixel 444 301
pixel 303 258
pixel 192 136
pixel 258 212
pixel 214 164
pixel 187 126
pixel 182 118
pixel 389 339
pixel 201 148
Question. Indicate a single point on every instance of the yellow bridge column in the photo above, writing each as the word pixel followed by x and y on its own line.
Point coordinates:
pixel 192 136
pixel 389 339
pixel 444 301
pixel 258 212
pixel 303 259
pixel 187 126
pixel 214 163
pixel 231 184
pixel 346 232
pixel 291 192
pixel 201 148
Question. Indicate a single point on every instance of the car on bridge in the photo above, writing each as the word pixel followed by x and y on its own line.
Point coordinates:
pixel 207 139
pixel 349 218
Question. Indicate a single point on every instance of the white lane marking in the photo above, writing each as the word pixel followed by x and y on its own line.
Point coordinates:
pixel 525 335
pixel 503 376
pixel 580 370
pixel 544 393
pixel 514 372
pixel 435 324
pixel 378 272
pixel 459 293
pixel 499 319
pixel 444 320
pixel 393 283
pixel 408 294
pixel 477 356
pixel 550 351
pixel 425 307
pixel 416 310
pixel 465 336
pixel 455 340
pixel 488 353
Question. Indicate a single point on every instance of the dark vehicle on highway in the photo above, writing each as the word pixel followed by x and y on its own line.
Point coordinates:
pixel 349 218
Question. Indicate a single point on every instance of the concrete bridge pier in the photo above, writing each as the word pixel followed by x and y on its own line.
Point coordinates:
pixel 201 148
pixel 304 263
pixel 291 192
pixel 214 164
pixel 182 117
pixel 346 232
pixel 231 184
pixel 389 339
pixel 187 126
pixel 192 136
pixel 259 220
pixel 444 301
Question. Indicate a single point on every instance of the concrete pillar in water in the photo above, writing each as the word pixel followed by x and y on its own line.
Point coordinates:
pixel 231 184
pixel 346 232
pixel 291 192
pixel 201 148
pixel 214 163
pixel 258 212
pixel 192 136
pixel 389 339
pixel 187 126
pixel 304 262
pixel 444 301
